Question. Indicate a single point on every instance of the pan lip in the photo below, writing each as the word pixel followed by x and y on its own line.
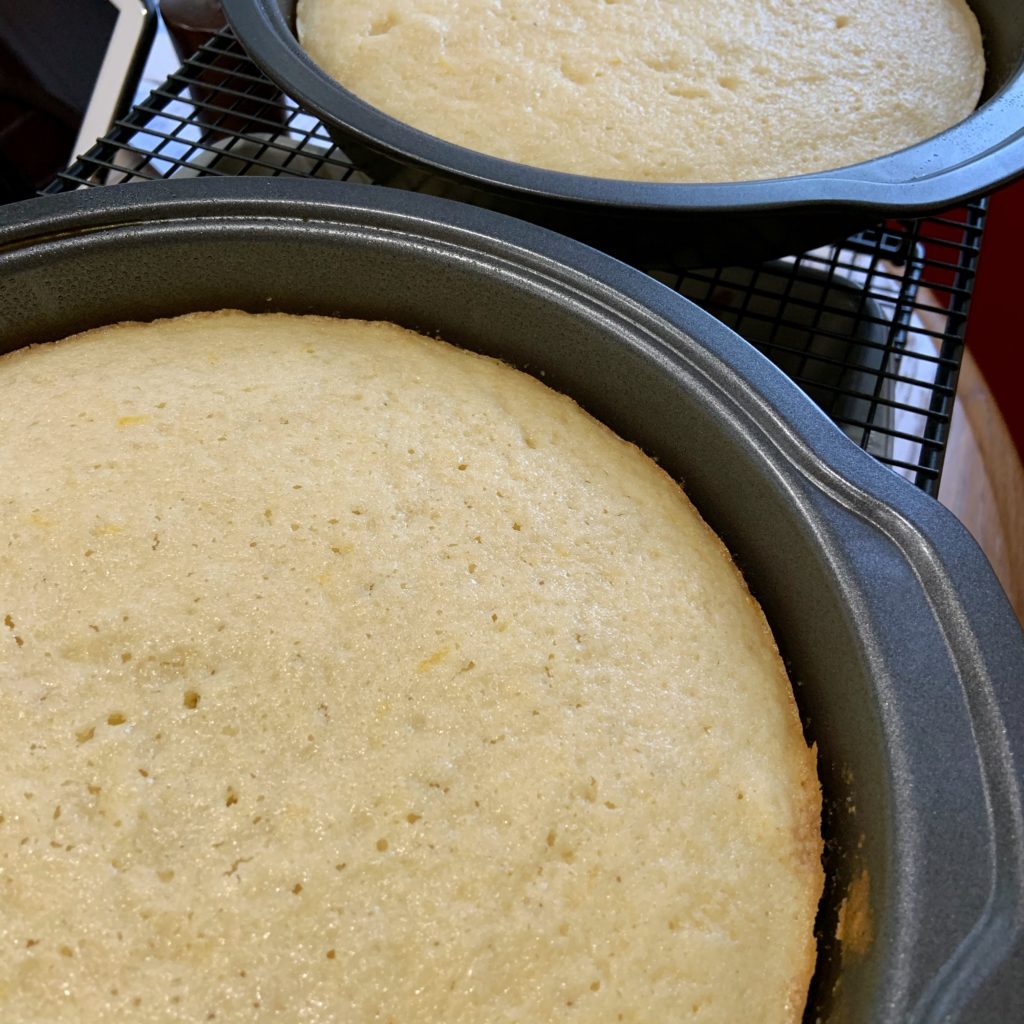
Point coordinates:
pixel 916 180
pixel 755 395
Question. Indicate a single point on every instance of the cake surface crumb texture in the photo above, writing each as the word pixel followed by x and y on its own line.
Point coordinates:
pixel 659 90
pixel 349 676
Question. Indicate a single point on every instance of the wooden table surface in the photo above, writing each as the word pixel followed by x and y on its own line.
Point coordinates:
pixel 983 480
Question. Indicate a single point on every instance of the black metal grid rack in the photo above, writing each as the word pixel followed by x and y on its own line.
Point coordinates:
pixel 872 327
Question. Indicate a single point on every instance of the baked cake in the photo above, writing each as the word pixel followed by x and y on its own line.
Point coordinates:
pixel 349 676
pixel 659 90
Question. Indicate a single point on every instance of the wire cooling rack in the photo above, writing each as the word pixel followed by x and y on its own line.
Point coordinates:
pixel 871 328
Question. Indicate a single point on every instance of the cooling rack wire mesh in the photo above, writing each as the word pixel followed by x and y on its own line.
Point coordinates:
pixel 871 328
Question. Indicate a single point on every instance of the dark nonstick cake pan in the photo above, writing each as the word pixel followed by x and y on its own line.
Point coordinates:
pixel 907 661
pixel 682 225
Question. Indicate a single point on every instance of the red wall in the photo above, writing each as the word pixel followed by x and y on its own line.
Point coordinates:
pixel 995 323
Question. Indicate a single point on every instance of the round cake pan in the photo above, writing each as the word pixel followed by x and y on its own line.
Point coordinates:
pixel 679 225
pixel 905 656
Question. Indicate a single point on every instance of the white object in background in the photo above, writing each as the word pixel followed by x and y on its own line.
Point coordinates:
pixel 125 51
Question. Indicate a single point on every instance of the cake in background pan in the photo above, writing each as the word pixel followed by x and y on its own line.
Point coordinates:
pixel 659 90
